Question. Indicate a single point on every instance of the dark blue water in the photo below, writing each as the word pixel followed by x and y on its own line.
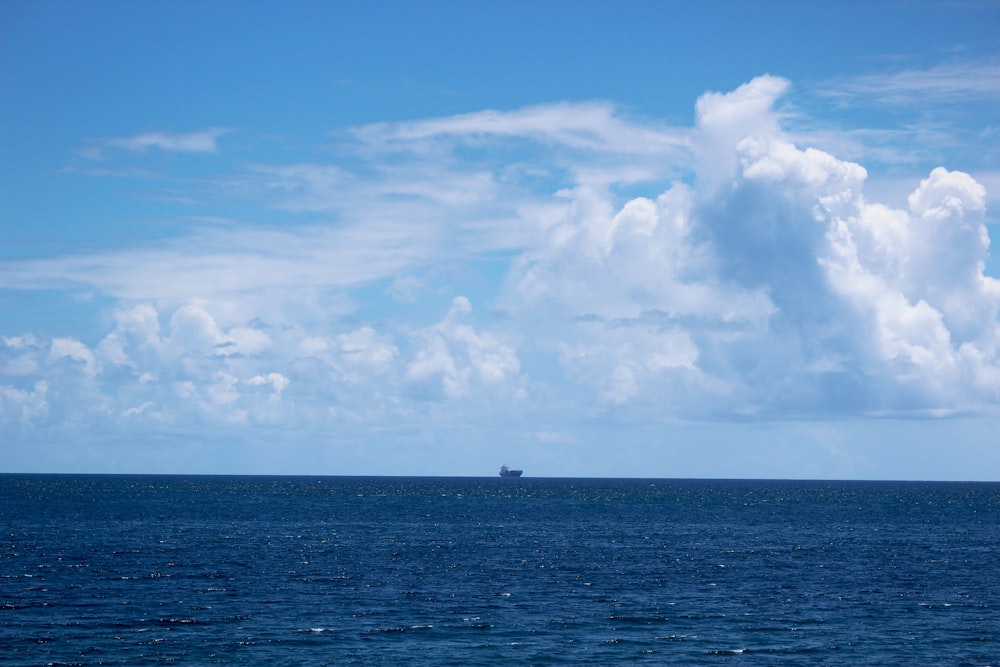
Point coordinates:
pixel 126 570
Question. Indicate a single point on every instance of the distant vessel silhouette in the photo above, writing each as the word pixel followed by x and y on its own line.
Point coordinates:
pixel 507 472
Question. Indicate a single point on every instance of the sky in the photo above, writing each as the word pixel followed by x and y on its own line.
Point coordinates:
pixel 586 239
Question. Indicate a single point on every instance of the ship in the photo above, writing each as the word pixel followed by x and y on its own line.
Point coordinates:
pixel 507 472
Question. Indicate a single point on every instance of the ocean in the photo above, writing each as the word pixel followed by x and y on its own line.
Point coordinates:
pixel 200 570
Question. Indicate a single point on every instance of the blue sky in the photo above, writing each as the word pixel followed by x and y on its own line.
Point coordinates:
pixel 652 239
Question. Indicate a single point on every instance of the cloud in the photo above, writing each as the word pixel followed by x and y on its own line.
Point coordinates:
pixel 915 280
pixel 728 270
pixel 277 381
pixel 196 371
pixel 591 126
pixel 907 119
pixel 23 406
pixel 213 262
pixel 453 358
pixel 770 287
pixel 396 216
pixel 621 363
pixel 953 83
pixel 365 348
pixel 68 348
pixel 202 141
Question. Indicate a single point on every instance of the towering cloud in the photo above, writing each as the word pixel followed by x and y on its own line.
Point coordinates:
pixel 769 285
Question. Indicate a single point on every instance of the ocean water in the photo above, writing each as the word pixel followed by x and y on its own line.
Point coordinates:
pixel 129 570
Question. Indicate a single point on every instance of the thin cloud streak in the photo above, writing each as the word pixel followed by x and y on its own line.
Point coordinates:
pixel 202 141
pixel 226 262
pixel 942 85
pixel 580 126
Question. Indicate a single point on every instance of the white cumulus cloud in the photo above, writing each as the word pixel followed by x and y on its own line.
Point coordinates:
pixel 453 357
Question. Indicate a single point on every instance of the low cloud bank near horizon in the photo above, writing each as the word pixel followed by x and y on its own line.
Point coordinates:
pixel 760 283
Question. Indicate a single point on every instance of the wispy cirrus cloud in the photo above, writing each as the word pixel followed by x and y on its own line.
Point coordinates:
pixel 944 84
pixel 213 262
pixel 906 121
pixel 201 141
pixel 589 126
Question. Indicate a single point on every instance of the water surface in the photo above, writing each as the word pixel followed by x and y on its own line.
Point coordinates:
pixel 124 570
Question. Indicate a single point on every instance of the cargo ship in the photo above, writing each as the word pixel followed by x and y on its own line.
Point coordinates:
pixel 507 472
